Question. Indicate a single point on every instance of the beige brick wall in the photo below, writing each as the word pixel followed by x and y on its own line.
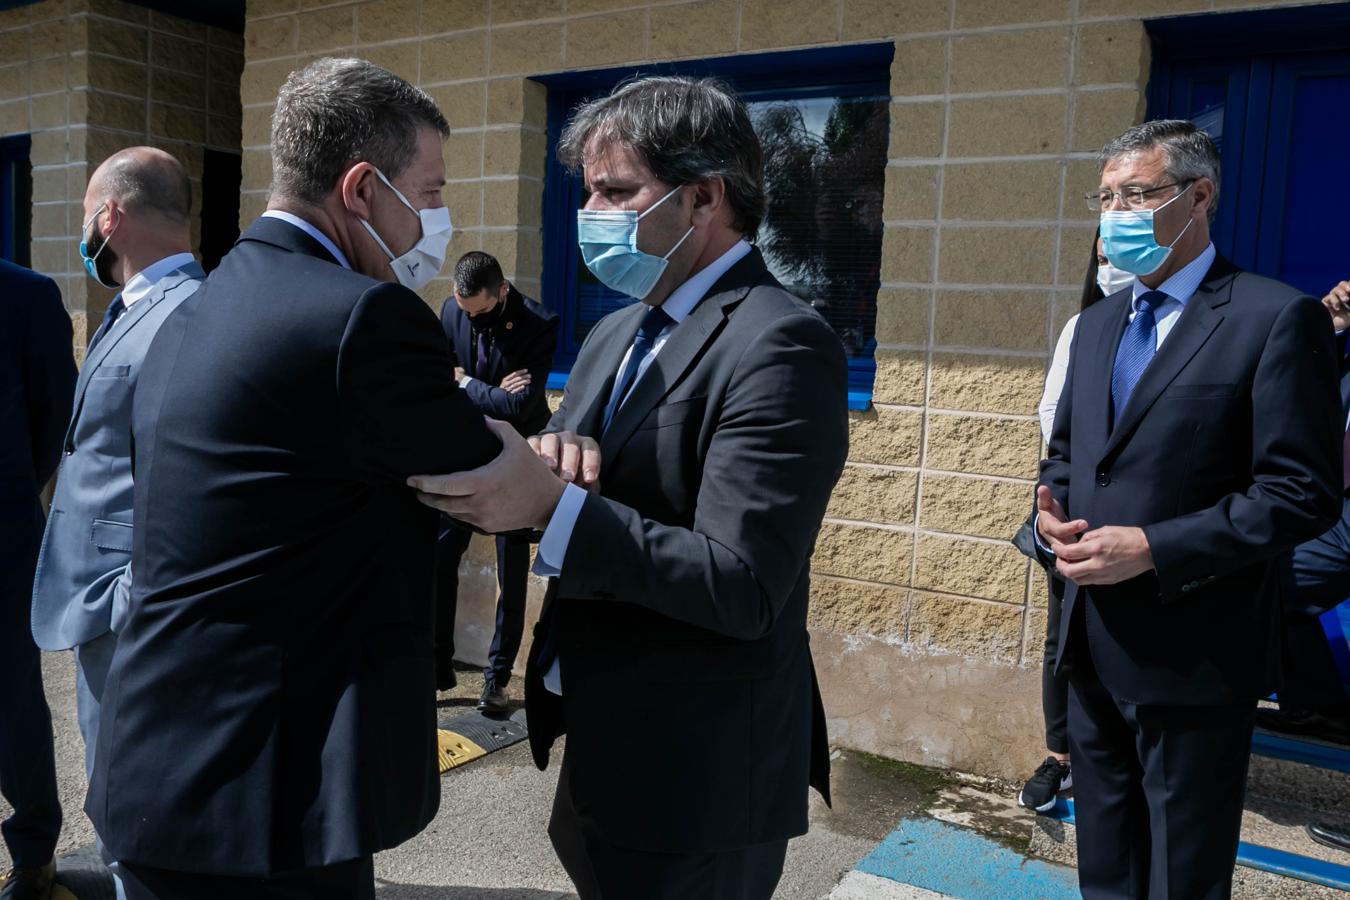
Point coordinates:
pixel 997 111
pixel 89 77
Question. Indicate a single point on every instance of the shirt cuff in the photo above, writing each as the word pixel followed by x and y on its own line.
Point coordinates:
pixel 553 545
pixel 1036 533
pixel 553 678
pixel 464 381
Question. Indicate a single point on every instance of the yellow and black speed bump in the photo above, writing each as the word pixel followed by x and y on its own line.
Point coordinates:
pixel 472 735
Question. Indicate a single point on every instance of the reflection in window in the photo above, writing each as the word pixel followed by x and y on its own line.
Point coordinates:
pixel 825 165
pixel 825 170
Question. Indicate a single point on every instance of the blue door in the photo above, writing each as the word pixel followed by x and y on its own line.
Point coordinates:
pixel 1280 113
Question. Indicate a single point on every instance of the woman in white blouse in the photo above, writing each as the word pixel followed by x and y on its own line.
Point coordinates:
pixel 1054 776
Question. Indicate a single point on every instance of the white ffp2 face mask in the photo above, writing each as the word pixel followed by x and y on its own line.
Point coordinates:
pixel 1110 279
pixel 424 259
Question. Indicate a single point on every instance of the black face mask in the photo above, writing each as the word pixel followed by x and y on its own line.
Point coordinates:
pixel 487 318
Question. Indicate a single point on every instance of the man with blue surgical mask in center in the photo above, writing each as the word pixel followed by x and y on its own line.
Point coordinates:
pixel 701 432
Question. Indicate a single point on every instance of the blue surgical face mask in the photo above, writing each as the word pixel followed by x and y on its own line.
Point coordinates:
pixel 101 274
pixel 608 242
pixel 1128 240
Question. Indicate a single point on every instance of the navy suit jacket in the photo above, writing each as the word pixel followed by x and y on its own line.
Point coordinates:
pixel 1228 454
pixel 37 381
pixel 271 701
pixel 523 337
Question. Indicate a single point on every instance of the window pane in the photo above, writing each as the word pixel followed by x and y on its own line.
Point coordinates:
pixel 825 170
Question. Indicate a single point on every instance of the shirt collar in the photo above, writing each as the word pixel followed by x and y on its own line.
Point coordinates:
pixel 144 281
pixel 1183 283
pixel 684 298
pixel 310 230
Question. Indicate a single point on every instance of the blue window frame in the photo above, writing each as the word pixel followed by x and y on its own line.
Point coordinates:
pixel 827 111
pixel 16 188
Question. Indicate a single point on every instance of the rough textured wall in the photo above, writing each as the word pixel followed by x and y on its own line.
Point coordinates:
pixel 88 77
pixel 929 623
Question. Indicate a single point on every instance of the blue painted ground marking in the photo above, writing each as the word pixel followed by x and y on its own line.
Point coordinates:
pixel 1254 856
pixel 949 860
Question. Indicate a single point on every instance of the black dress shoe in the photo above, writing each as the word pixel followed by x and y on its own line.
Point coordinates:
pixel 494 699
pixel 1330 835
pixel 1305 723
pixel 446 680
pixel 34 883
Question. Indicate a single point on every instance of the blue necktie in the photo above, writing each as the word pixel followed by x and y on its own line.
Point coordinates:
pixel 115 309
pixel 652 324
pixel 1136 350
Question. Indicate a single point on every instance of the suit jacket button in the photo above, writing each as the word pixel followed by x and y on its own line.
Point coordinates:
pixel 1103 479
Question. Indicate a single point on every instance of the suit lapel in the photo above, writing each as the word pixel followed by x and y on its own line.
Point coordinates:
pixel 684 345
pixel 1101 366
pixel 1197 322
pixel 606 367
pixel 120 329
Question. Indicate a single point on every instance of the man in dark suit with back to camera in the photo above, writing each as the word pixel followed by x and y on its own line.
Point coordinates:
pixel 269 720
pixel 37 383
pixel 1198 439
pixel 503 345
pixel 702 431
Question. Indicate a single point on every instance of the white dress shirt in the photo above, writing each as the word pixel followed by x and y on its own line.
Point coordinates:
pixel 310 230
pixel 144 281
pixel 553 546
pixel 1179 289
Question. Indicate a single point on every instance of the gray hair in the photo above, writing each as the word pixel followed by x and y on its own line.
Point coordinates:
pixel 145 179
pixel 1188 153
pixel 335 112
pixel 687 130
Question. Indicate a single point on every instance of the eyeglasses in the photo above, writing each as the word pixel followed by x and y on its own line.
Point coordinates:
pixel 1130 198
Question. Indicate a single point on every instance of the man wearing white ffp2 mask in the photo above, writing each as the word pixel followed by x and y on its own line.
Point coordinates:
pixel 295 401
pixel 420 263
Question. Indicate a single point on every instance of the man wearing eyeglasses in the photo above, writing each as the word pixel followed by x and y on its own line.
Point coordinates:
pixel 1197 440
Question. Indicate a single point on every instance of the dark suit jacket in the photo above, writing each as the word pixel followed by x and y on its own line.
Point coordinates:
pixel 524 337
pixel 271 704
pixel 689 699
pixel 37 380
pixel 1227 455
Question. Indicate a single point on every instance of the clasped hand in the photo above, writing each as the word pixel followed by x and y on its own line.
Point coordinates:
pixel 1107 555
pixel 521 487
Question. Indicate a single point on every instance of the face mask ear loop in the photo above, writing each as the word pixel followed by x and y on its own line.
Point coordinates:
pixel 659 202
pixel 107 237
pixel 1189 222
pixel 371 231
pixel 679 242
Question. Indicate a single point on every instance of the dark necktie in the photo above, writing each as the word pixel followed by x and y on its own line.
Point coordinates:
pixel 115 309
pixel 1136 350
pixel 650 328
pixel 482 340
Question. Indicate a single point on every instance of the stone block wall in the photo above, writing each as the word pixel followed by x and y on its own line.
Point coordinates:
pixel 88 77
pixel 928 624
